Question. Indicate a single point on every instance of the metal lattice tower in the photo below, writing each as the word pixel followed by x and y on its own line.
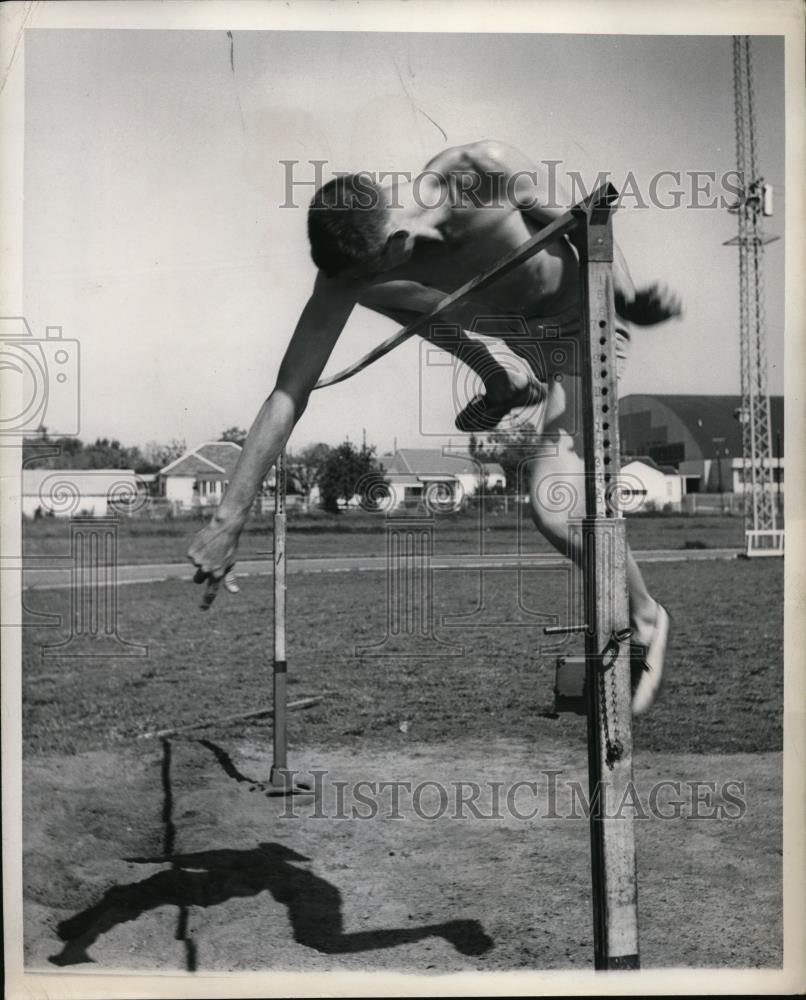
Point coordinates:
pixel 754 202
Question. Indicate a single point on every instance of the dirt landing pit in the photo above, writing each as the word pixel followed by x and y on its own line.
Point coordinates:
pixel 169 855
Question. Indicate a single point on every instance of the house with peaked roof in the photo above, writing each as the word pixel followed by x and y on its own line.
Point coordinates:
pixel 200 476
pixel 414 474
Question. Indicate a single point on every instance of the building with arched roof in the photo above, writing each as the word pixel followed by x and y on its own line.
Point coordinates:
pixel 700 436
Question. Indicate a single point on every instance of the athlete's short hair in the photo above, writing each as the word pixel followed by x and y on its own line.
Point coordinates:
pixel 347 224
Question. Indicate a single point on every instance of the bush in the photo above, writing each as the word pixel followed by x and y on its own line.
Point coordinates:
pixel 347 472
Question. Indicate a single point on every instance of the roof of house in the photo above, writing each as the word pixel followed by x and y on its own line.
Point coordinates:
pixel 492 469
pixel 430 462
pixel 212 457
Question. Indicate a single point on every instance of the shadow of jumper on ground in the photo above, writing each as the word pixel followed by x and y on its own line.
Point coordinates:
pixel 206 878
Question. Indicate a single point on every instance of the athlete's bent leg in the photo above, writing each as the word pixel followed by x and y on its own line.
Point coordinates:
pixel 557 496
pixel 504 389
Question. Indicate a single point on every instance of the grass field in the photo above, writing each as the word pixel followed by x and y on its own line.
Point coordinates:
pixel 361 533
pixel 723 694
pixel 165 855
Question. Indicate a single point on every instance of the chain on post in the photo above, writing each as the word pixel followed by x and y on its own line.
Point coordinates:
pixel 608 696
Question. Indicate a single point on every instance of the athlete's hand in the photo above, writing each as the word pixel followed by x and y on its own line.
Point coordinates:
pixel 651 305
pixel 213 553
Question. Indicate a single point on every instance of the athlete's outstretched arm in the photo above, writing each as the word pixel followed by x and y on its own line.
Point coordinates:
pixel 213 549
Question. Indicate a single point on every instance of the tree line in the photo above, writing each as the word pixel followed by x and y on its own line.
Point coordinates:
pixel 340 471
pixel 45 452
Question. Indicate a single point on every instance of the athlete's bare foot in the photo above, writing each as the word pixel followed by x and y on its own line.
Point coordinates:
pixel 485 411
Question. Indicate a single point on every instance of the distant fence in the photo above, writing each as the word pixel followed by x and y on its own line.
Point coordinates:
pixel 714 503
pixel 723 503
pixel 159 508
pixel 493 504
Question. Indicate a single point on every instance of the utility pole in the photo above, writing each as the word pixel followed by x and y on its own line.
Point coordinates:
pixel 718 441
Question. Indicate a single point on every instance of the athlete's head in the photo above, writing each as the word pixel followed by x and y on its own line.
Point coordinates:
pixel 351 230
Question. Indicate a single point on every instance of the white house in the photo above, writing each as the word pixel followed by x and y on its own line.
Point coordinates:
pixel 67 492
pixel 651 486
pixel 200 476
pixel 727 474
pixel 414 474
pixel 494 476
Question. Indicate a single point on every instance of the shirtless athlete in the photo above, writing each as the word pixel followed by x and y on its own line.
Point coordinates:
pixel 398 250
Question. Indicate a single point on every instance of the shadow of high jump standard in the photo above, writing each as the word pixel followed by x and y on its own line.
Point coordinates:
pixel 206 878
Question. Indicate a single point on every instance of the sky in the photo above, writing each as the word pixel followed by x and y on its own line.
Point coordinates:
pixel 155 233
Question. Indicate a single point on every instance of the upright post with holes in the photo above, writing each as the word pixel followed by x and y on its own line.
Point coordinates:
pixel 615 909
pixel 281 780
pixel 279 665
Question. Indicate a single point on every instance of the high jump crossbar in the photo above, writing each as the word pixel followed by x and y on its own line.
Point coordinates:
pixel 559 227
